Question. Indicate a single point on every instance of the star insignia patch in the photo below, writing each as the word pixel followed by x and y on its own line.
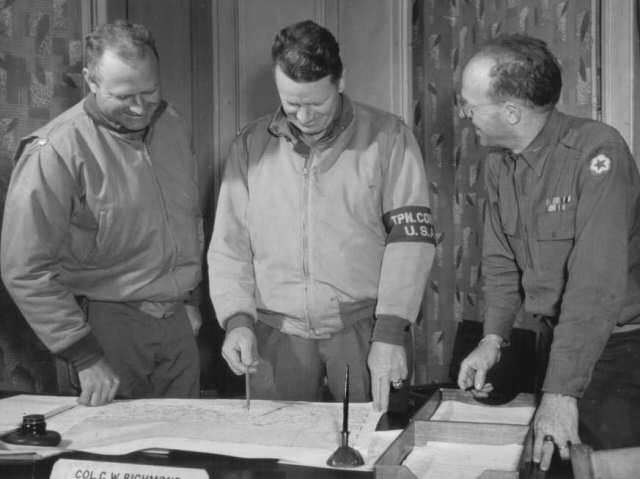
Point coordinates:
pixel 599 165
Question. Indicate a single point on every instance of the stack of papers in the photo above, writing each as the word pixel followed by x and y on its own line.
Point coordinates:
pixel 464 412
pixel 447 460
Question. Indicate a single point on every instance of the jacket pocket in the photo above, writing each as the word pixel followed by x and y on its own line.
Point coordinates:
pixel 84 228
pixel 555 238
pixel 93 245
pixel 559 225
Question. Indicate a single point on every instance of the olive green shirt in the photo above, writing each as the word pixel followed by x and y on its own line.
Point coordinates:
pixel 562 238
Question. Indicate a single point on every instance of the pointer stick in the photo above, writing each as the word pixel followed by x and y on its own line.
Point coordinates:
pixel 247 391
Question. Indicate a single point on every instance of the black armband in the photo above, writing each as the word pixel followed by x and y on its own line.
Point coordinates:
pixel 409 224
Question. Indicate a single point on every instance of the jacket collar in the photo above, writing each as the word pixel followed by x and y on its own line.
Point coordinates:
pixel 91 108
pixel 280 126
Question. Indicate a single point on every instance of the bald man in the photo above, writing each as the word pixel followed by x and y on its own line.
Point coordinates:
pixel 562 240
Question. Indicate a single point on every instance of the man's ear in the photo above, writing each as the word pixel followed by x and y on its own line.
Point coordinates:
pixel 89 78
pixel 341 83
pixel 513 112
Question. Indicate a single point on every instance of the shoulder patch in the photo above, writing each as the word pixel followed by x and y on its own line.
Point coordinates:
pixel 599 165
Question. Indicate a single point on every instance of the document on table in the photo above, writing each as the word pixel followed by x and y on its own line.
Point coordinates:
pixel 446 460
pixel 270 429
pixel 463 412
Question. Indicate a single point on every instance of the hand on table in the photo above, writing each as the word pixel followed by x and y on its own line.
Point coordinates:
pixel 555 425
pixel 387 364
pixel 98 384
pixel 474 368
pixel 240 350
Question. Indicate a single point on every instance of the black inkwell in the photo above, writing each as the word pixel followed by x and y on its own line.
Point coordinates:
pixel 33 432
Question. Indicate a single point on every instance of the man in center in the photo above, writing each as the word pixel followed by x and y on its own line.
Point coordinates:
pixel 323 237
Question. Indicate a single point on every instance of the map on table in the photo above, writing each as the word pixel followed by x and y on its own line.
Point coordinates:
pixel 271 429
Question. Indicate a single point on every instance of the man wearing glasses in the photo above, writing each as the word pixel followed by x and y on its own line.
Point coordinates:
pixel 561 239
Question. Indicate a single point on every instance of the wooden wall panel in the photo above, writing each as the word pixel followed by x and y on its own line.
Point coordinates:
pixel 365 44
pixel 620 84
pixel 374 45
pixel 202 98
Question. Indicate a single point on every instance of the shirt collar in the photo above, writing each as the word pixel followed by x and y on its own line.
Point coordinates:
pixel 280 126
pixel 539 149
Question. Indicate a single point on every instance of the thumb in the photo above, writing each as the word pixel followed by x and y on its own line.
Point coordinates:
pixel 537 448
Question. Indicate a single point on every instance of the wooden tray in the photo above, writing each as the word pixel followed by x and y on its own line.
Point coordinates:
pixel 422 429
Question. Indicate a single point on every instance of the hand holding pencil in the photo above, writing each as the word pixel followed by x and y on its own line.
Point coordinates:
pixel 240 351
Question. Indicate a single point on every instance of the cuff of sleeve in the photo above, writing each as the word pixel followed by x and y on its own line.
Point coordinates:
pixel 83 353
pixel 237 320
pixel 562 378
pixel 495 339
pixel 498 325
pixel 390 329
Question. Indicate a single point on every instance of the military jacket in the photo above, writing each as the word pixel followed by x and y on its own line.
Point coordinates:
pixel 562 238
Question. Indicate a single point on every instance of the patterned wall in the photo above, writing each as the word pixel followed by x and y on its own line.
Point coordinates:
pixel 40 76
pixel 446 33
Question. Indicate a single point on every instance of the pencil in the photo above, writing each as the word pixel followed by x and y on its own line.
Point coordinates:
pixel 58 410
pixel 247 391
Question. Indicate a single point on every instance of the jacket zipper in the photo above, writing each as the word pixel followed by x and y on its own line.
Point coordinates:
pixel 306 173
pixel 165 211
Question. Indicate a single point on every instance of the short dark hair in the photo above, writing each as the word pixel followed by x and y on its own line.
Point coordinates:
pixel 525 69
pixel 130 41
pixel 307 52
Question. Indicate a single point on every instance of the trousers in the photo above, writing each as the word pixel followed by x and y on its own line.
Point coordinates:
pixel 609 410
pixel 154 357
pixel 292 368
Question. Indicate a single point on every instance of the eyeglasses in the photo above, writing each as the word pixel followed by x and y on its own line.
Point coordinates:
pixel 465 111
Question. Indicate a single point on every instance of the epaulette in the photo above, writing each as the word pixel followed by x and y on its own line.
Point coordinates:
pixel 571 138
pixel 29 142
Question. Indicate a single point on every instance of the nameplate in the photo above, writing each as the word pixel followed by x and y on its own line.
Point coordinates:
pixel 81 469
